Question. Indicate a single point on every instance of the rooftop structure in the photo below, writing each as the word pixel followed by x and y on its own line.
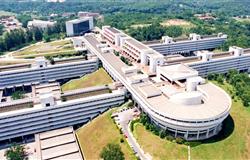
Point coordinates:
pixel 57 144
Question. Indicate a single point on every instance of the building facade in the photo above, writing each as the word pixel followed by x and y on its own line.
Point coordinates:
pixel 62 114
pixel 194 43
pixel 79 26
pixel 42 72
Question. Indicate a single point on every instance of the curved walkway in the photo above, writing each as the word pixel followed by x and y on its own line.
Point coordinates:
pixel 124 118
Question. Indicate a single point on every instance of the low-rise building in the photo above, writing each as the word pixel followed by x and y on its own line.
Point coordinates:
pixel 40 24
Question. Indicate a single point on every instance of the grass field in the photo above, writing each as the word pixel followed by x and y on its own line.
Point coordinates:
pixel 170 22
pixel 244 20
pixel 159 149
pixel 97 78
pixel 42 49
pixel 232 143
pixel 97 134
pixel 5 13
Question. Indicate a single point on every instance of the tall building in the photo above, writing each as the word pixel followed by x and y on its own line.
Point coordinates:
pixel 78 27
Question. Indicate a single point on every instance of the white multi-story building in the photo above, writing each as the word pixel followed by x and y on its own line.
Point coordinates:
pixel 80 26
pixel 206 62
pixel 132 49
pixel 194 43
pixel 42 72
pixel 51 114
pixel 177 99
pixel 236 58
pixel 40 24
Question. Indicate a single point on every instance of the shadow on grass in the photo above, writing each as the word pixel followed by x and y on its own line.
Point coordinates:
pixel 227 130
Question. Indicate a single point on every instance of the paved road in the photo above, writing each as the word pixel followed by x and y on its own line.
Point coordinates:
pixel 123 119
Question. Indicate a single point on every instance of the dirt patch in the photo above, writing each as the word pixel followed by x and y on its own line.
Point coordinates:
pixel 176 22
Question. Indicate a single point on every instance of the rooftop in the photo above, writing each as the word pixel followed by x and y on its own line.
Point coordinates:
pixel 136 43
pixel 177 72
pixel 79 20
pixel 58 144
pixel 114 30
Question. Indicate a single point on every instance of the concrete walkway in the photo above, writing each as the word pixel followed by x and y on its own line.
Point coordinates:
pixel 124 118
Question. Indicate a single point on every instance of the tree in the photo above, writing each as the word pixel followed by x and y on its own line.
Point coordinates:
pixel 17 95
pixel 173 31
pixel 1 29
pixel 38 35
pixel 24 19
pixel 220 79
pixel 112 152
pixel 29 36
pixel 16 152
pixel 163 134
pixel 231 73
pixel 46 37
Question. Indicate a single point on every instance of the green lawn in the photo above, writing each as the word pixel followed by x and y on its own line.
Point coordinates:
pixel 43 49
pixel 158 148
pixel 5 13
pixel 232 143
pixel 97 134
pixel 97 78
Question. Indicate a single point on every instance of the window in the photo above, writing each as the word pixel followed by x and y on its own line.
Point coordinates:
pixel 47 104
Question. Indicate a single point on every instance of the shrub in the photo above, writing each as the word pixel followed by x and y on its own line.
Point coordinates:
pixel 169 137
pixel 18 95
pixel 179 140
pixel 162 134
pixel 120 131
pixel 121 140
pixel 63 99
pixel 147 126
pixel 132 124
pixel 16 152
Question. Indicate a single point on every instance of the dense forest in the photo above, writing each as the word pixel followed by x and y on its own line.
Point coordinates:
pixel 240 83
pixel 227 7
pixel 124 14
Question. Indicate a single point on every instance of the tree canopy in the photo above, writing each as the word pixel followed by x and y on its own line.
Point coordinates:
pixel 16 152
pixel 112 152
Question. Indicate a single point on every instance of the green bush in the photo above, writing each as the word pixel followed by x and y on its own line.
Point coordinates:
pixel 179 140
pixel 120 130
pixel 112 152
pixel 18 95
pixel 16 152
pixel 121 140
pixel 169 137
pixel 162 134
